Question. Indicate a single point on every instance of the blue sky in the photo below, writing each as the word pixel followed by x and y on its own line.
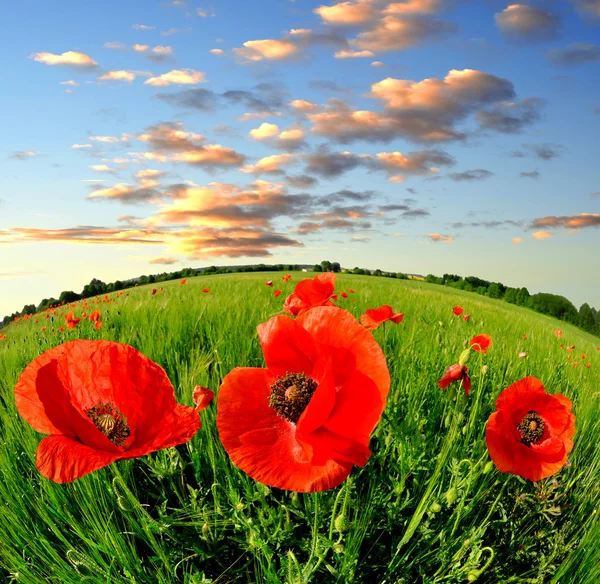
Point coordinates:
pixel 423 136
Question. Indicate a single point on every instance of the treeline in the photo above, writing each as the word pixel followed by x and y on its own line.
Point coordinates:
pixel 586 317
pixel 97 287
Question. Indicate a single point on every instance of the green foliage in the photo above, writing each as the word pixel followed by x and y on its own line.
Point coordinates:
pixel 428 506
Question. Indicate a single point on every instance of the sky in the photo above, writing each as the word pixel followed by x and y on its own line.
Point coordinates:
pixel 421 136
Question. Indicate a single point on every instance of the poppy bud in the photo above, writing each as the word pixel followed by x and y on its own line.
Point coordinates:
pixel 338 548
pixel 464 357
pixel 484 369
pixel 488 467
pixel 341 523
pixel 435 508
pixel 451 496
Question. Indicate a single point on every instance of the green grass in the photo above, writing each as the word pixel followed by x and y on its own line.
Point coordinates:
pixel 428 507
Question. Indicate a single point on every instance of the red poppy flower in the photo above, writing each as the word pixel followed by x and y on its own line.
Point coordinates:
pixel 351 290
pixel 101 401
pixel 61 329
pixel 286 278
pixel 598 348
pixel 98 325
pixel 183 281
pixel 456 373
pixel 524 336
pixel 301 423
pixel 310 293
pixel 277 293
pixel 458 310
pixel 530 432
pixel 205 290
pixel 153 291
pixel 570 349
pixel 558 333
pixel 583 355
pixel 588 365
pixel 95 316
pixel 373 317
pixel 466 317
pixel 481 343
pixel 344 295
pixel 269 283
pixel 202 397
pixel 71 321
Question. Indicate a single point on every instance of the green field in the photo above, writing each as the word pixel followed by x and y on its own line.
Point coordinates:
pixel 428 506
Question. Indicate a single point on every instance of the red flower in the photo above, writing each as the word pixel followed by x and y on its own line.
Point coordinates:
pixel 530 432
pixel 524 336
pixel 588 365
pixel 466 317
pixel 277 293
pixel 351 290
pixel 269 283
pixel 481 343
pixel 61 329
pixel 570 349
pixel 373 317
pixel 71 321
pixel 456 373
pixel 202 397
pixel 98 325
pixel 153 291
pixel 101 401
pixel 583 355
pixel 301 423
pixel 558 333
pixel 95 316
pixel 458 310
pixel 344 295
pixel 286 278
pixel 205 290
pixel 310 293
pixel 183 281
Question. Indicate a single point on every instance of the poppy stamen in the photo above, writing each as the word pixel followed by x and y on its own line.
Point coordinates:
pixel 531 428
pixel 111 422
pixel 290 395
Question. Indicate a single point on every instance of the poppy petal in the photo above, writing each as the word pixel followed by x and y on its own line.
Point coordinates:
pixel 63 459
pixel 337 328
pixel 287 347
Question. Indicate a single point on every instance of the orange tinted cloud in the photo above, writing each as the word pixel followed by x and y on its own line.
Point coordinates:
pixel 350 54
pixel 542 235
pixel 571 222
pixel 303 106
pixel 526 24
pixel 69 59
pixel 125 193
pixel 346 13
pixel 438 237
pixel 164 261
pixel 177 77
pixel 516 240
pixel 270 164
pixel 267 49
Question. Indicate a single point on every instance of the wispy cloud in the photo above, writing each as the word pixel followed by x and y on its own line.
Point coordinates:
pixel 68 59
pixel 23 154
pixel 177 77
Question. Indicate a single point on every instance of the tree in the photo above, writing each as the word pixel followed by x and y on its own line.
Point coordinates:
pixel 336 267
pixel 317 268
pixel 510 295
pixel 494 291
pixel 326 266
pixel 586 318
pixel 523 297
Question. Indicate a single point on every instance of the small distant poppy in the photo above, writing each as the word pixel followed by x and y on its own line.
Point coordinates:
pixel 570 348
pixel 524 336
pixel 458 310
pixel 310 293
pixel 71 321
pixel 183 281
pixel 558 333
pixel 466 317
pixel 269 283
pixel 344 295
pixel 61 329
pixel 286 278
pixel 373 317
pixel 202 397
pixel 205 290
pixel 304 420
pixel 98 325
pixel 530 433
pixel 583 355
pixel 456 372
pixel 588 365
pixel 351 290
pixel 481 343
pixel 100 401
pixel 153 291
pixel 277 293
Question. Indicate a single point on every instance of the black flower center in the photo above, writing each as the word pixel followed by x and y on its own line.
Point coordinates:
pixel 290 395
pixel 531 428
pixel 111 422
